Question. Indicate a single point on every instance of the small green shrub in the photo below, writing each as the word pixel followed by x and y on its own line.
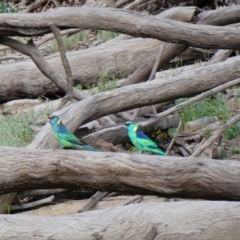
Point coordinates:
pixel 235 150
pixel 232 132
pixel 6 8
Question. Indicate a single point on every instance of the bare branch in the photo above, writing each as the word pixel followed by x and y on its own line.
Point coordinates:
pixel 93 200
pixel 69 94
pixel 217 134
pixel 32 51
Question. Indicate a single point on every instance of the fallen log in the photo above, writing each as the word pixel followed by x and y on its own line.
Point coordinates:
pixel 16 80
pixel 24 79
pixel 175 220
pixel 129 97
pixel 23 169
pixel 30 24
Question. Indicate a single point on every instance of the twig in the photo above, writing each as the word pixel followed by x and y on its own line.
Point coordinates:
pixel 44 8
pixel 191 101
pixel 174 138
pixel 216 135
pixel 120 3
pixel 133 5
pixel 69 96
pixel 93 200
pixel 33 204
pixel 134 199
pixel 35 5
pixel 41 192
pixel 111 194
pixel 157 62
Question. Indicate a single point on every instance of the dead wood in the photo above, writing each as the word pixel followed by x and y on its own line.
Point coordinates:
pixel 45 39
pixel 194 220
pixel 33 204
pixel 34 6
pixel 185 85
pixel 24 79
pixel 12 107
pixel 133 199
pixel 174 138
pixel 99 18
pixel 93 201
pixel 219 56
pixel 179 70
pixel 118 172
pixel 72 206
pixel 221 16
pixel 40 192
pixel 192 100
pixel 170 51
pixel 67 68
pixel 217 134
pixel 32 51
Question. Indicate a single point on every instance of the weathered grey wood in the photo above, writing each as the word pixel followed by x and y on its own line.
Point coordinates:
pixel 24 79
pixel 72 206
pixel 174 220
pixel 129 22
pixel 221 16
pixel 118 172
pixel 143 94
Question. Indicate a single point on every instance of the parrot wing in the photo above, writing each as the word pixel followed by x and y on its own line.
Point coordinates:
pixel 145 141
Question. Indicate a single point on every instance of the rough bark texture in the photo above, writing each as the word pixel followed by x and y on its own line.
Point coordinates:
pixel 177 220
pixel 143 94
pixel 221 16
pixel 23 169
pixel 24 79
pixel 132 23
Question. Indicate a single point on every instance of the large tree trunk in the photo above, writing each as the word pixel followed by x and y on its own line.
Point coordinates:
pixel 23 169
pixel 129 22
pixel 143 94
pixel 176 220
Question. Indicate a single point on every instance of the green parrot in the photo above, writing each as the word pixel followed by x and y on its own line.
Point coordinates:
pixel 65 138
pixel 141 141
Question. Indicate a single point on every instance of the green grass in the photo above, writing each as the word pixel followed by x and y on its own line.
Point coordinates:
pixel 104 36
pixel 106 82
pixel 15 130
pixel 7 8
pixel 208 107
pixel 232 132
pixel 235 150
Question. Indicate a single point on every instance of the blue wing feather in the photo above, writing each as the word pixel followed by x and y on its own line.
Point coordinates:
pixel 145 141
